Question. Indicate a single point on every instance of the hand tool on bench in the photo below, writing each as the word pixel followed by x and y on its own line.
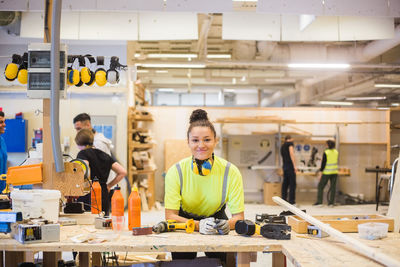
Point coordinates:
pixel 270 218
pixel 172 225
pixel 269 230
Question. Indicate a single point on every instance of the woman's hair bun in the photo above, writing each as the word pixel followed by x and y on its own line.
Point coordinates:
pixel 198 115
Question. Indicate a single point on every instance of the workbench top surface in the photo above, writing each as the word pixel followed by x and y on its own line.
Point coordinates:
pixel 300 251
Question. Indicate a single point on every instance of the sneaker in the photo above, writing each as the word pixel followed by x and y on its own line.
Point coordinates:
pixel 317 204
pixel 331 205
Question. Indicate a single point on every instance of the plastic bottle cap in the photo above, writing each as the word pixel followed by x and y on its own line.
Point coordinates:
pixel 117 187
pixel 95 179
pixel 135 188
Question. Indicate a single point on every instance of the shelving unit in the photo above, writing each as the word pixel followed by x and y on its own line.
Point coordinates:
pixel 141 169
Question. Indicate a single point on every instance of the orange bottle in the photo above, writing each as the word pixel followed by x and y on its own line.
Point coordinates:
pixel 117 209
pixel 95 196
pixel 134 209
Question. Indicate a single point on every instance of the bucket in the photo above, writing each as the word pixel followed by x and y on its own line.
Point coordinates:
pixel 36 203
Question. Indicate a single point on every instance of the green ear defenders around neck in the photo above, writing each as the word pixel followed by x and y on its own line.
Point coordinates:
pixel 11 70
pixel 101 73
pixel 87 75
pixel 112 73
pixel 23 70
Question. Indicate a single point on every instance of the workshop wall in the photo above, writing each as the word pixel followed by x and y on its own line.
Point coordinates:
pixel 101 104
pixel 172 123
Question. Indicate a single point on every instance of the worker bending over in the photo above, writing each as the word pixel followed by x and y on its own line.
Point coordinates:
pixel 100 165
pixel 200 186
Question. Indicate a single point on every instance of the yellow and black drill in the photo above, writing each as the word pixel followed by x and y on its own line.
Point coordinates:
pixel 172 225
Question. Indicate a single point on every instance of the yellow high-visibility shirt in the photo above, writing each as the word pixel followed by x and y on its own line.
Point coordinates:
pixel 202 195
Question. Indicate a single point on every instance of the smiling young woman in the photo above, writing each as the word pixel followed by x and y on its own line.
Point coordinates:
pixel 200 186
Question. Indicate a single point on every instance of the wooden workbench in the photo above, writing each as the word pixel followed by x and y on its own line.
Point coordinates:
pixel 299 251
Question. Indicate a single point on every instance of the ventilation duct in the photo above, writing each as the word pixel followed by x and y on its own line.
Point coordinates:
pixel 10 21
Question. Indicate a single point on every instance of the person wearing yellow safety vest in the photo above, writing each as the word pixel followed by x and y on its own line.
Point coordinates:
pixel 329 169
pixel 200 186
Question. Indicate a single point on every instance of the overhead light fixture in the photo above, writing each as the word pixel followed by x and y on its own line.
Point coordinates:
pixel 364 98
pixel 243 79
pixel 142 71
pixel 387 85
pixel 336 103
pixel 161 71
pixel 166 90
pixel 172 65
pixel 165 55
pixel 395 104
pixel 229 90
pixel 383 108
pixel 228 56
pixel 233 80
pixel 319 65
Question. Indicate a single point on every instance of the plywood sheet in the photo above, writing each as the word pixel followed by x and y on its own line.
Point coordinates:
pixel 174 151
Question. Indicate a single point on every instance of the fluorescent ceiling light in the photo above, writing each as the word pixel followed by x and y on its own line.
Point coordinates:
pixel 166 89
pixel 383 108
pixel 229 90
pixel 161 71
pixel 219 56
pixel 153 55
pixel 361 98
pixel 386 85
pixel 319 65
pixel 172 65
pixel 395 104
pixel 142 71
pixel 337 103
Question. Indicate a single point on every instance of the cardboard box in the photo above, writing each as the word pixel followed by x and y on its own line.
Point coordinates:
pixel 270 190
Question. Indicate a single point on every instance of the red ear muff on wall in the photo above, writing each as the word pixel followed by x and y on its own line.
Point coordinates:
pixel 11 70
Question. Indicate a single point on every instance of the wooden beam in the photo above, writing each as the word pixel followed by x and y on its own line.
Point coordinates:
pixel 354 243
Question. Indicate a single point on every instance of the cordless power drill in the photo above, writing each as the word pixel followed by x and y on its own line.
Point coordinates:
pixel 172 225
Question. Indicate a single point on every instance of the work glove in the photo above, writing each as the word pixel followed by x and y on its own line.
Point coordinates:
pixel 207 226
pixel 222 226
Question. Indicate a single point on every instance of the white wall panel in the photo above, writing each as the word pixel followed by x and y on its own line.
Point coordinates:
pixel 365 28
pixel 168 26
pixel 32 24
pixel 203 6
pixel 322 29
pixel 290 6
pixel 357 7
pixel 154 5
pixel 13 5
pixel 108 26
pixel 250 26
pixel 69 25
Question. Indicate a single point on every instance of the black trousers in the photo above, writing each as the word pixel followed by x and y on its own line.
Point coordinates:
pixel 289 181
pixel 191 255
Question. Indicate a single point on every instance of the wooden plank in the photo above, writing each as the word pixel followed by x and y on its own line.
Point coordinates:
pixel 278 259
pixel 13 258
pixel 343 223
pixel 150 192
pixel 71 181
pixel 243 259
pixel 84 259
pixel 174 151
pixel 354 243
pixel 388 142
pixel 96 259
pixel 394 207
pixel 143 199
pixel 50 259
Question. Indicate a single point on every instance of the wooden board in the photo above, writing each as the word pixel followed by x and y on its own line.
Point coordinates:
pixel 343 223
pixel 174 151
pixel 71 181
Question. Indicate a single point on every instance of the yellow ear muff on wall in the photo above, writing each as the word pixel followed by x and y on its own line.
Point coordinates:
pixel 22 70
pixel 11 70
pixel 101 77
pixel 23 76
pixel 85 74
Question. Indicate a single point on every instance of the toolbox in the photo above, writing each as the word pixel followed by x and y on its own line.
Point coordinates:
pixel 343 223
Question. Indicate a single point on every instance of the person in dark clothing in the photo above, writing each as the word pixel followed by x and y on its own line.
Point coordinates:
pixel 100 165
pixel 329 172
pixel 289 170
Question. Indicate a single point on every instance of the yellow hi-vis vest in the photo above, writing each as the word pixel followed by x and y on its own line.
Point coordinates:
pixel 331 166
